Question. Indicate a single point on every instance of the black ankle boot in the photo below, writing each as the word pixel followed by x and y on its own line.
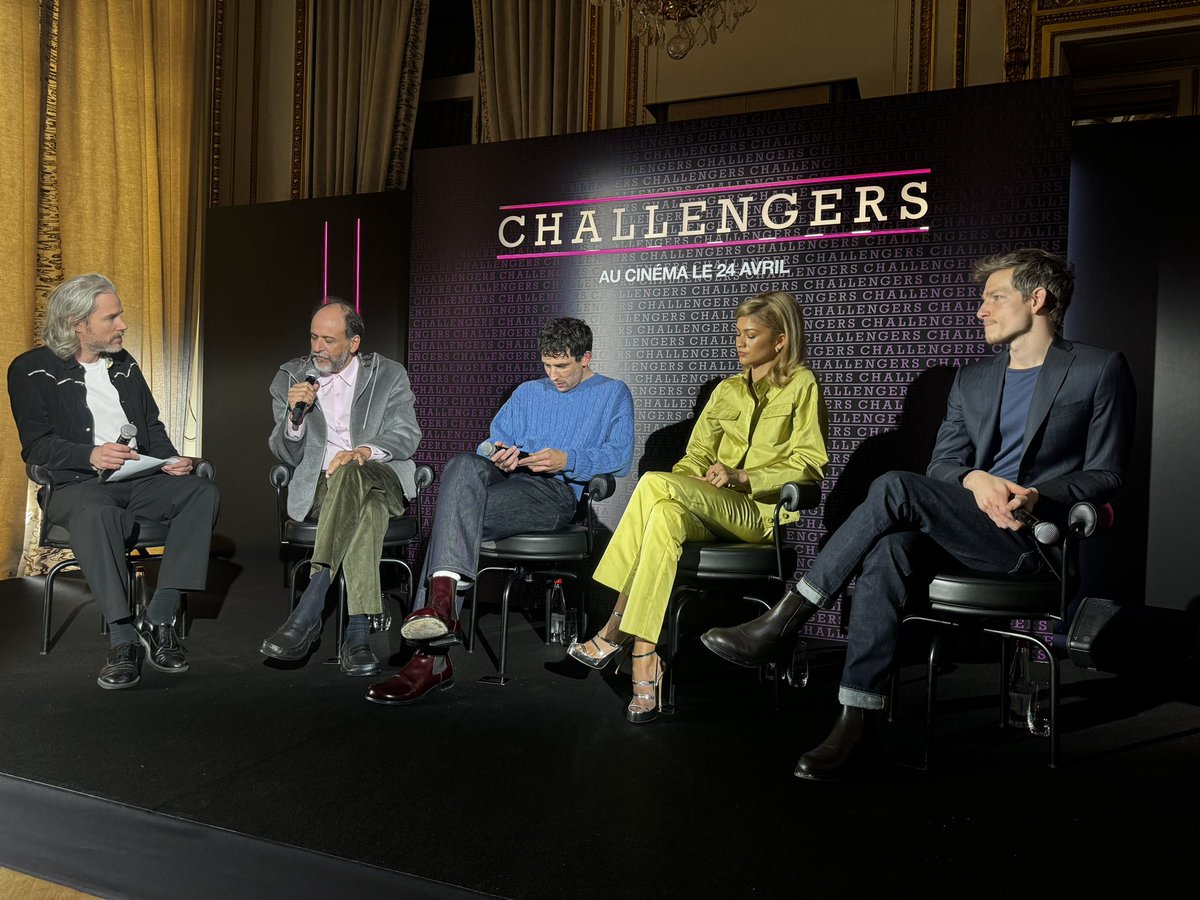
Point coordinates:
pixel 840 754
pixel 759 641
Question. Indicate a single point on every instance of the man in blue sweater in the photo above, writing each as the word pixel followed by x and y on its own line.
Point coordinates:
pixel 551 437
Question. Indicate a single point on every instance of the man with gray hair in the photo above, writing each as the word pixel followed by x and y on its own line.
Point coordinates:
pixel 74 401
pixel 345 422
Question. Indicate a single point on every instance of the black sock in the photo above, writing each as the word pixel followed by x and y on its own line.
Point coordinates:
pixel 312 601
pixel 121 632
pixel 162 606
pixel 358 628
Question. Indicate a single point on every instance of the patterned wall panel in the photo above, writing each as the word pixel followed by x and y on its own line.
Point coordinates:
pixel 871 212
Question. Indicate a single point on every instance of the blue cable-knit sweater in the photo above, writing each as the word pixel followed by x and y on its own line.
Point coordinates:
pixel 592 423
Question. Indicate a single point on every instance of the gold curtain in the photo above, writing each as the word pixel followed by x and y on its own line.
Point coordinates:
pixel 530 60
pixel 366 79
pixel 20 97
pixel 108 94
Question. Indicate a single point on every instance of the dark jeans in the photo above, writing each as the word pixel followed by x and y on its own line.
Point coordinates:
pixel 477 502
pixel 907 526
pixel 101 520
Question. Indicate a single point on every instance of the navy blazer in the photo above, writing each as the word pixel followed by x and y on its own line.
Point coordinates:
pixel 1078 434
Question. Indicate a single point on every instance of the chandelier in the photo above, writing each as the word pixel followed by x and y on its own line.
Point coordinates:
pixel 696 21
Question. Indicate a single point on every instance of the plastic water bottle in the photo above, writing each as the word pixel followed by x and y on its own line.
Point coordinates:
pixel 558 613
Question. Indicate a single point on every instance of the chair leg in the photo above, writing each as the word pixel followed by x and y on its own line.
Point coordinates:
pixel 1005 661
pixel 1054 690
pixel 471 623
pixel 49 593
pixel 931 695
pixel 183 615
pixel 674 614
pixel 501 677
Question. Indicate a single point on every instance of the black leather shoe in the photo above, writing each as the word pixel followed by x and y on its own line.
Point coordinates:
pixel 358 660
pixel 842 753
pixel 164 651
pixel 123 668
pixel 292 641
pixel 759 641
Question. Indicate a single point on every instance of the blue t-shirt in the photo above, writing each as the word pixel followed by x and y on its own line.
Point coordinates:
pixel 1019 385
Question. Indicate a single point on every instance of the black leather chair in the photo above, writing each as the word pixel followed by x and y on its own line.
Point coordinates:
pixel 150 534
pixel 759 571
pixel 548 555
pixel 961 598
pixel 402 531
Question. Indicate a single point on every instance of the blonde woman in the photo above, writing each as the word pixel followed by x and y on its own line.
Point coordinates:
pixel 760 429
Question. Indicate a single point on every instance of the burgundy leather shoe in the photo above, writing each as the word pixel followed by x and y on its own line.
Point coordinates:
pixel 435 619
pixel 422 674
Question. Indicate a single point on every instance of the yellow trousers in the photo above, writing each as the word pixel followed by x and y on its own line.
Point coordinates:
pixel 665 511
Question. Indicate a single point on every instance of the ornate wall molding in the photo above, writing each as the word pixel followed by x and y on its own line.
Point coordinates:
pixel 299 77
pixel 925 45
pixel 962 16
pixel 216 110
pixel 591 78
pixel 633 58
pixel 255 88
pixel 1033 26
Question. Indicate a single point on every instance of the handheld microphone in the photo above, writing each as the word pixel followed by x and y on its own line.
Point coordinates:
pixel 1043 532
pixel 128 433
pixel 488 449
pixel 298 410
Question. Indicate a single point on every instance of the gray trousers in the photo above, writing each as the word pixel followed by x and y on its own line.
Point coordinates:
pixel 102 521
pixel 477 502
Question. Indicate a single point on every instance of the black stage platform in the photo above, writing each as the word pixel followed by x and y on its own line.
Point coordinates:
pixel 261 782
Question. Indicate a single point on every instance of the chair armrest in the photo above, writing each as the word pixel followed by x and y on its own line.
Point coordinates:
pixel 797 495
pixel 280 475
pixel 39 475
pixel 601 487
pixel 205 469
pixel 424 477
pixel 1086 519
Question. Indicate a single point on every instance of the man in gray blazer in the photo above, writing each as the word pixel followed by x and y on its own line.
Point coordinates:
pixel 345 422
pixel 1041 425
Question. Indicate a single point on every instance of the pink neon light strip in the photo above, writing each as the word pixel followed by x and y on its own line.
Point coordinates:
pixel 325 266
pixel 720 190
pixel 357 262
pixel 704 244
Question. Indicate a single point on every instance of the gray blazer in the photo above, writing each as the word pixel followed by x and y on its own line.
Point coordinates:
pixel 381 415
pixel 1078 434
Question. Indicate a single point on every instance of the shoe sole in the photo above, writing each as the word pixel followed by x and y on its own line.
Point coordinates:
pixel 426 629
pixel 361 671
pixel 444 686
pixel 271 652
pixel 155 666
pixel 590 661
pixel 728 657
pixel 641 718
pixel 119 687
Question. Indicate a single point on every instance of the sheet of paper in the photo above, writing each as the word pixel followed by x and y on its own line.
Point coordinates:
pixel 144 465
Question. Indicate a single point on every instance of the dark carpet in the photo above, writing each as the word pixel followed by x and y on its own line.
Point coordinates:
pixel 541 789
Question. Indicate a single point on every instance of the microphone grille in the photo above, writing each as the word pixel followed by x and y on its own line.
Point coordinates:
pixel 129 430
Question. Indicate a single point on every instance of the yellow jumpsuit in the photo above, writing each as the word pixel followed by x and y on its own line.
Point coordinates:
pixel 775 433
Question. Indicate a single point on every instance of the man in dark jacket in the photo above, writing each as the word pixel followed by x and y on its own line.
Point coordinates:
pixel 73 399
pixel 1041 425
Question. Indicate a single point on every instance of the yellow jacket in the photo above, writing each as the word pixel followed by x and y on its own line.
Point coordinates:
pixel 777 434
